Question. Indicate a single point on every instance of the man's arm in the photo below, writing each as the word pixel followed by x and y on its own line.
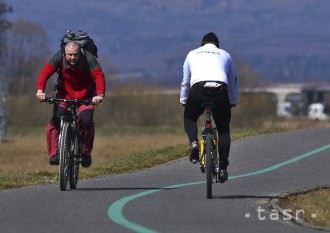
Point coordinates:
pixel 97 75
pixel 232 83
pixel 185 85
pixel 46 72
pixel 99 80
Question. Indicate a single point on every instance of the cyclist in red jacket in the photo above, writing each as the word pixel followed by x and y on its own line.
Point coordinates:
pixel 80 77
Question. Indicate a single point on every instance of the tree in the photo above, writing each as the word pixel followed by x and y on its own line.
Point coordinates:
pixel 4 8
pixel 4 113
pixel 27 53
pixel 4 25
pixel 247 78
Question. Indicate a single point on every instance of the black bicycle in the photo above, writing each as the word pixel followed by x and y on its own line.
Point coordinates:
pixel 209 162
pixel 69 142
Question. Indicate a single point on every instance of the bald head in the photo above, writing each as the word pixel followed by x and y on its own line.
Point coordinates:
pixel 72 45
pixel 72 52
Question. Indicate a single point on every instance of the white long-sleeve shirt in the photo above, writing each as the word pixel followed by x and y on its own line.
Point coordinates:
pixel 208 63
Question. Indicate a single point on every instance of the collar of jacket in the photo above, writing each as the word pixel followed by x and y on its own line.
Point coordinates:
pixel 209 45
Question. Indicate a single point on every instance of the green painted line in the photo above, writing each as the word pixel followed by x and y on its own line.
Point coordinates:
pixel 279 165
pixel 115 211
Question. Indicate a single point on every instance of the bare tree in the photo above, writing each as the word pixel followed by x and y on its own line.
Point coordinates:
pixel 4 112
pixel 4 25
pixel 27 53
pixel 247 77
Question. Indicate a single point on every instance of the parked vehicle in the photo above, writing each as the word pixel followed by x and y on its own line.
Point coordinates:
pixel 316 112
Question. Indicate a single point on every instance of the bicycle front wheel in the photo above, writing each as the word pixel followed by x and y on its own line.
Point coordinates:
pixel 65 150
pixel 74 163
pixel 209 165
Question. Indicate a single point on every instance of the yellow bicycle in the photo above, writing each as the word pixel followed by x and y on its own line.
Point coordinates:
pixel 209 162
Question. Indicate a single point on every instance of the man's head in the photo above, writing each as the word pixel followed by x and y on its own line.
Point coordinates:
pixel 210 38
pixel 72 52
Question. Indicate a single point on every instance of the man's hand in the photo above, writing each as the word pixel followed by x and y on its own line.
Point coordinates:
pixel 41 95
pixel 97 99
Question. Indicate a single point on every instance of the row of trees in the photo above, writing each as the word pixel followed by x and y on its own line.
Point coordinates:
pixel 23 50
pixel 27 52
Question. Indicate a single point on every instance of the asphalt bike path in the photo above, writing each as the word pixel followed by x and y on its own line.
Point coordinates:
pixel 172 197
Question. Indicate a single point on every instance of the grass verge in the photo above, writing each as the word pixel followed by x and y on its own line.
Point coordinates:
pixel 315 204
pixel 133 162
pixel 129 163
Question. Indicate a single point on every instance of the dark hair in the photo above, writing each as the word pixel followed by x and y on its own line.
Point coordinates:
pixel 210 38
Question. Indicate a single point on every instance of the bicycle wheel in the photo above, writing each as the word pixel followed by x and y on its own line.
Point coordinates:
pixel 209 165
pixel 64 149
pixel 74 163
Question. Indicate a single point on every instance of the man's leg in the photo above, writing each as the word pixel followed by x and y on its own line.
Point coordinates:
pixel 222 117
pixel 86 122
pixel 52 133
pixel 192 112
pixel 222 122
pixel 52 139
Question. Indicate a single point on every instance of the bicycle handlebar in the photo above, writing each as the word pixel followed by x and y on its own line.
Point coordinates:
pixel 52 100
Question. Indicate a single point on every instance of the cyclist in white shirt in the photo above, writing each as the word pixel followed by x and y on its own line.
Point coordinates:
pixel 209 76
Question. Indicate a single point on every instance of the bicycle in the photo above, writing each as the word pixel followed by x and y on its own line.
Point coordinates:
pixel 209 162
pixel 69 142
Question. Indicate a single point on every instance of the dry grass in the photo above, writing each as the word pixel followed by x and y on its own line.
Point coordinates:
pixel 23 160
pixel 315 202
pixel 27 154
pixel 296 123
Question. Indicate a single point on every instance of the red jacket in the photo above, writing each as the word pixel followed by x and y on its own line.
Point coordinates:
pixel 75 82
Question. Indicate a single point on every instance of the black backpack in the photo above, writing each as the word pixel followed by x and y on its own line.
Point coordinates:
pixel 80 37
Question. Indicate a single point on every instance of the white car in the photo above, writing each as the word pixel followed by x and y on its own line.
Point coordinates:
pixel 316 112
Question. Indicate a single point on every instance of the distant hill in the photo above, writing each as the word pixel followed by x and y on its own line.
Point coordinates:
pixel 283 40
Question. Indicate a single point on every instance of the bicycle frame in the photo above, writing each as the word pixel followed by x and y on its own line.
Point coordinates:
pixel 208 128
pixel 209 162
pixel 72 118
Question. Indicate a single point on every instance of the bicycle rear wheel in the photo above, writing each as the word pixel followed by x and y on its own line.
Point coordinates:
pixel 65 150
pixel 209 165
pixel 74 163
